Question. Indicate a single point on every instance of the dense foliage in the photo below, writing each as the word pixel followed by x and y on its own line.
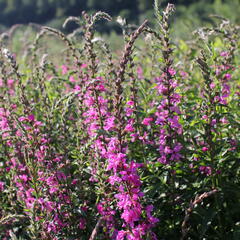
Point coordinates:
pixel 142 144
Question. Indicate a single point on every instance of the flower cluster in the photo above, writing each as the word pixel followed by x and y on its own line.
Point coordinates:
pixel 167 118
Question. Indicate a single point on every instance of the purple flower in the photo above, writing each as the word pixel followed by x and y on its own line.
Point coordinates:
pixel 2 186
pixel 147 121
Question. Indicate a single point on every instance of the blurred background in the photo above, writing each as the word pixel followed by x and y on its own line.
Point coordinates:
pixel 189 14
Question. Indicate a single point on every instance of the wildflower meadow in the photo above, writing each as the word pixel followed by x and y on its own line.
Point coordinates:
pixel 138 143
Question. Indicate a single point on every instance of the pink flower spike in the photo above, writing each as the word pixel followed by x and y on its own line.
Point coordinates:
pixel 22 119
pixel 10 83
pixel 224 54
pixel 84 65
pixel 82 223
pixel 205 149
pixel 2 186
pixel 71 79
pixel 31 117
pixel 146 121
pixel 74 181
pixel 228 76
pixel 64 69
pixel 129 128
pixel 131 103
pixel 171 71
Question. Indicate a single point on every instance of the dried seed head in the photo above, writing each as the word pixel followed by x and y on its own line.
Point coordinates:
pixel 71 19
pixel 169 10
pixel 6 53
pixel 121 21
pixel 101 15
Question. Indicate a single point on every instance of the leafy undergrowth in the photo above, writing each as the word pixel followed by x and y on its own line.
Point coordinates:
pixel 142 144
